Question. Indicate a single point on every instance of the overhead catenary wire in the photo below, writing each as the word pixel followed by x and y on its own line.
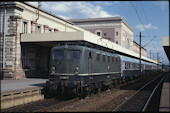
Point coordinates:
pixel 148 22
pixel 139 18
pixel 150 41
pixel 146 16
pixel 142 24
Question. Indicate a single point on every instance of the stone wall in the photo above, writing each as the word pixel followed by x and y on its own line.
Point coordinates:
pixel 12 45
pixel 108 33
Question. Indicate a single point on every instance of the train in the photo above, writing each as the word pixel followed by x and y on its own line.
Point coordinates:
pixel 80 69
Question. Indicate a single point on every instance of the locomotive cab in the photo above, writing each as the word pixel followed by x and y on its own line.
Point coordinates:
pixel 65 67
pixel 61 59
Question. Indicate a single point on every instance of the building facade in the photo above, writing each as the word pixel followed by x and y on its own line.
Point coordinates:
pixel 114 29
pixel 22 18
pixel 20 60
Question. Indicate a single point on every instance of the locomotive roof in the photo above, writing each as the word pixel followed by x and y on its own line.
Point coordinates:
pixel 79 46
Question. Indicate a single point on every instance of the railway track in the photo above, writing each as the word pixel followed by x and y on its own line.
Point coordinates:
pixel 140 100
pixel 50 105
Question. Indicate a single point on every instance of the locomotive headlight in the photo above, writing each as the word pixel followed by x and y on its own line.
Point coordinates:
pixel 76 71
pixel 52 70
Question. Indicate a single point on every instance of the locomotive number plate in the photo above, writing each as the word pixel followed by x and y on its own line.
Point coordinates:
pixel 64 77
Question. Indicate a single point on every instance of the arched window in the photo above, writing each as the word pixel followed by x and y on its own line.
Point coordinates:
pixel 98 32
pixel 127 43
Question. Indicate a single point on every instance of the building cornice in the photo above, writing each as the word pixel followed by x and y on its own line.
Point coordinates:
pixel 47 13
pixel 109 19
pixel 91 26
pixel 16 4
pixel 138 45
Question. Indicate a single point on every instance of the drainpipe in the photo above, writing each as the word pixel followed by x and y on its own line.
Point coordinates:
pixel 37 18
pixel 16 47
pixel 3 63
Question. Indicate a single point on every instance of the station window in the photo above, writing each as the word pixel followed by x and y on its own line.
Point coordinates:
pixel 24 28
pixel 56 30
pixel 98 57
pixel 104 34
pixel 116 33
pixel 50 30
pixel 38 28
pixel 103 58
pixel 98 33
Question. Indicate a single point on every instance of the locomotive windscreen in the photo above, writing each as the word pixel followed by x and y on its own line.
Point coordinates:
pixel 57 55
pixel 73 54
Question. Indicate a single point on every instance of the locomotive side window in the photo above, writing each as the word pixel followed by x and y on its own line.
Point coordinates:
pixel 98 57
pixel 73 54
pixel 103 58
pixel 118 60
pixel 90 55
pixel 113 59
pixel 58 55
pixel 108 58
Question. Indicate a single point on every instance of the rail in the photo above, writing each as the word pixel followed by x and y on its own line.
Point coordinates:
pixel 144 108
pixel 122 103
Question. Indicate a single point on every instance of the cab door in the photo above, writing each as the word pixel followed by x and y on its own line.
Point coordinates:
pixel 90 64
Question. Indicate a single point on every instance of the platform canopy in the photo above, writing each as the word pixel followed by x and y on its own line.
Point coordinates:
pixel 166 46
pixel 54 38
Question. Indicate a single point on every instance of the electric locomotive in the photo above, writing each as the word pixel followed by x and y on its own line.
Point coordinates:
pixel 80 69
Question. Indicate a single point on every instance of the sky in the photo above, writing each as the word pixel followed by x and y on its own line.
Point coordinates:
pixel 151 18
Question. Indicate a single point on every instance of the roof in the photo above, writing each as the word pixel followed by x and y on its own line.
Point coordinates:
pixel 79 36
pixel 95 19
pixel 134 60
pixel 166 45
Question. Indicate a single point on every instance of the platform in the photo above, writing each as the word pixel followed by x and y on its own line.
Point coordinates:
pixel 19 92
pixel 28 83
pixel 165 99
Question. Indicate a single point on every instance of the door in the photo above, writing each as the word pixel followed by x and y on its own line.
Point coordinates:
pixel 90 64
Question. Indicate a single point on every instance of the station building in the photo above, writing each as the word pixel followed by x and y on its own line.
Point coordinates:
pixel 114 29
pixel 22 24
pixel 20 18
